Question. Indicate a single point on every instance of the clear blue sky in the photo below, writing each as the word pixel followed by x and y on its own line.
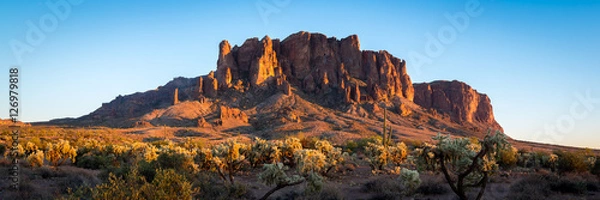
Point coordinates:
pixel 530 57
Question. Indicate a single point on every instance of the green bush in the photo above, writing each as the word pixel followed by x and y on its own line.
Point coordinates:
pixel 91 161
pixel 166 185
pixel 571 162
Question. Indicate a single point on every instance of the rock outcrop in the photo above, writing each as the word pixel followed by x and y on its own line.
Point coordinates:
pixel 232 113
pixel 457 99
pixel 328 72
pixel 315 64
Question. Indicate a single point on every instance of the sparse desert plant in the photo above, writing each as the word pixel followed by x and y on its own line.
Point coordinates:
pixel 410 179
pixel 466 164
pixel 310 164
pixel 596 169
pixel 384 188
pixel 30 148
pixel 310 160
pixel 228 158
pixel 333 155
pixel 204 158
pixel 60 152
pixel 571 162
pixel 288 149
pixel 508 157
pixel 36 159
pixel 166 185
pixel 398 153
pixel 274 174
pixel 263 151
pixel 377 156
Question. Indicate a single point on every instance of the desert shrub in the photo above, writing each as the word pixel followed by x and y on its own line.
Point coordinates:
pixel 46 173
pixel 167 160
pixel 166 185
pixel 384 188
pixel 210 187
pixel 398 153
pixel 333 155
pixel 36 159
pixel 508 157
pixel 544 186
pixel 76 178
pixel 228 158
pixel 362 143
pixel 571 162
pixel 30 148
pixel 275 175
pixel 60 152
pixel 203 158
pixel 190 143
pixel 571 185
pixel 377 156
pixel 466 162
pixel 410 180
pixel 596 169
pixel 263 151
pixel 310 160
pixel 534 187
pixel 288 148
pixel 92 161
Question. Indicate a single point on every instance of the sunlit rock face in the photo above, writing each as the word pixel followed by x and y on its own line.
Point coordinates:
pixel 315 63
pixel 459 100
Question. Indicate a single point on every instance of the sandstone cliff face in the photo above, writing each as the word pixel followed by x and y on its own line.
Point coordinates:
pixel 459 100
pixel 325 69
pixel 316 64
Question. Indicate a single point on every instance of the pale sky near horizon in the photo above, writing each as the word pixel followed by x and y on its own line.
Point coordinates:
pixel 537 60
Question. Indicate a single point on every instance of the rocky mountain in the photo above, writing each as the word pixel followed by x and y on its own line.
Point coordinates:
pixel 305 82
pixel 457 99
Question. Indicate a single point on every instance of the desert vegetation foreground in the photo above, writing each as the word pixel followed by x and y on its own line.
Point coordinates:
pixel 104 163
pixel 306 117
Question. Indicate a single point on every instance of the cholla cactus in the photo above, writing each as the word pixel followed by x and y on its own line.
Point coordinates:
pixel 424 157
pixel 310 160
pixel 590 161
pixel 91 144
pixel 150 153
pixel 36 159
pixel 118 150
pixel 377 156
pixel 463 166
pixel 410 179
pixel 398 153
pixel 228 158
pixel 60 152
pixel 30 148
pixel 262 152
pixel 20 153
pixel 204 158
pixel 288 149
pixel 274 174
pixel 332 154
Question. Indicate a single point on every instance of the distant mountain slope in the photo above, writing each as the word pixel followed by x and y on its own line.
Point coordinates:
pixel 308 83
